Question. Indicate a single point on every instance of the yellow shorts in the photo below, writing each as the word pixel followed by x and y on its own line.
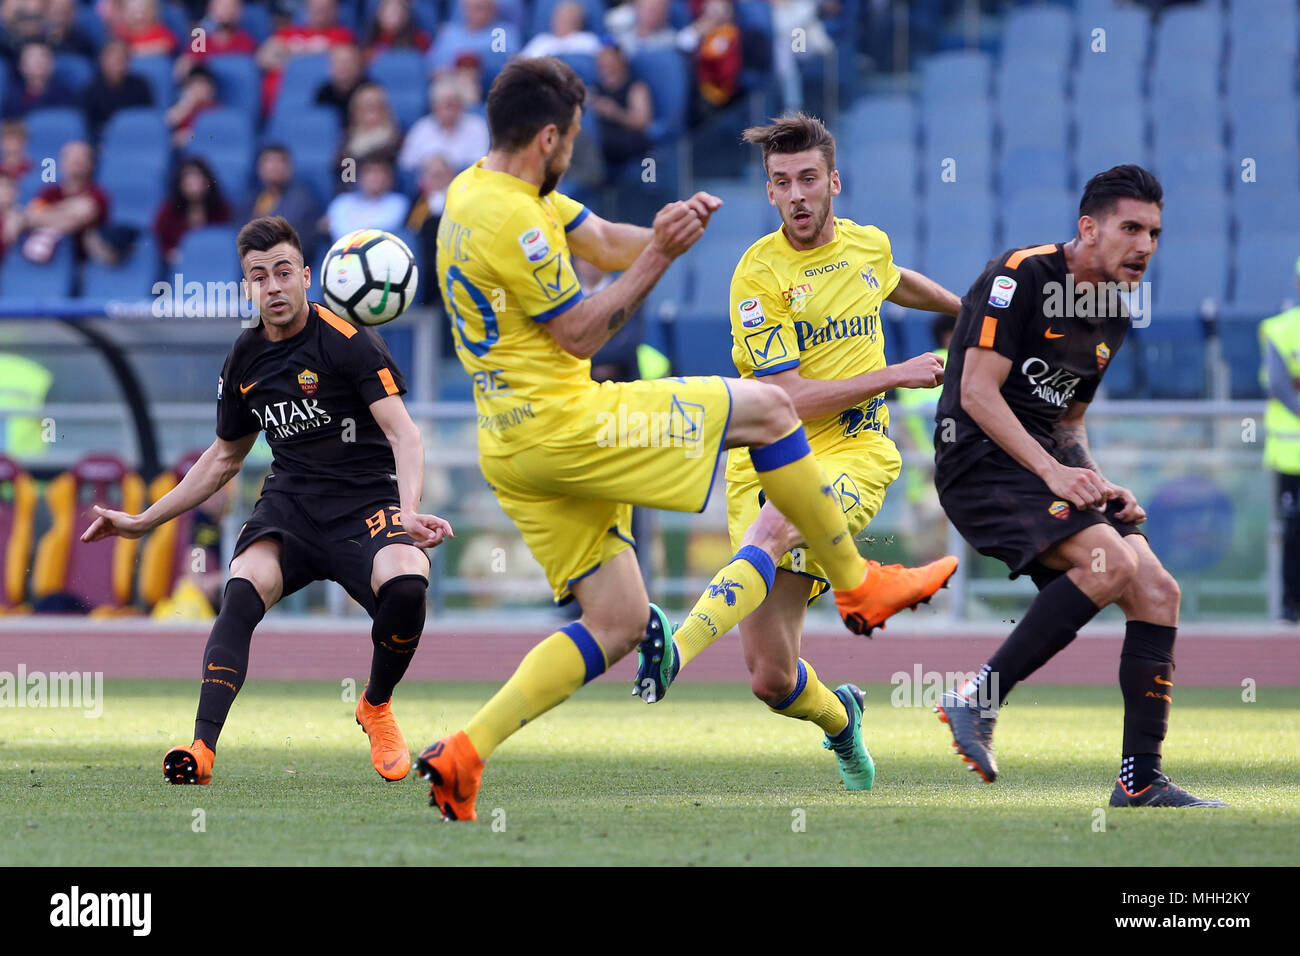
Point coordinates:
pixel 652 444
pixel 860 471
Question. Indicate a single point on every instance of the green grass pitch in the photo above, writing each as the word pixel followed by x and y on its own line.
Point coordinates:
pixel 708 776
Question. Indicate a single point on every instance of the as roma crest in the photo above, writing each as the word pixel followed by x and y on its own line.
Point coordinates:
pixel 309 381
pixel 1103 355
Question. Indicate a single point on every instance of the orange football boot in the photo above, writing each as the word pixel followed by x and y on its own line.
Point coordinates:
pixel 388 751
pixel 455 772
pixel 192 764
pixel 887 589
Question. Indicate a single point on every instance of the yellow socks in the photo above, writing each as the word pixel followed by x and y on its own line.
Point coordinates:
pixel 813 700
pixel 547 675
pixel 734 592
pixel 795 484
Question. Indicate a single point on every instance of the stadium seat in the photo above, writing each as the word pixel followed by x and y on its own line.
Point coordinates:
pixel 1265 210
pixel 895 210
pixel 98 575
pixel 542 10
pixel 956 260
pixel 1103 142
pixel 157 72
pixel 1268 124
pixel 1263 28
pixel 1239 345
pixel 1038 216
pixel 1186 122
pixel 1033 167
pixel 667 299
pixel 138 133
pixel 166 554
pixel 1274 167
pixel 1203 213
pixel 1034 118
pixel 884 118
pixel 90 23
pixel 956 77
pixel 1188 33
pixel 1122 378
pixel 1113 80
pixel 239 82
pixel 74 70
pixel 135 199
pixel 257 21
pixel 129 281
pixel 175 18
pixel 584 65
pixel 1172 353
pixel 665 72
pixel 17 523
pixel 224 137
pixel 208 255
pixel 26 285
pixel 402 74
pixel 1184 170
pixel 703 344
pixel 957 211
pixel 1193 269
pixel 302 76
pixel 1033 72
pixel 958 137
pixel 1264 271
pixel 1039 28
pixel 745 208
pixel 49 129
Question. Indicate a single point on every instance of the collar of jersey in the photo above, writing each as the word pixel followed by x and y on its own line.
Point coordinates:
pixel 818 250
pixel 506 180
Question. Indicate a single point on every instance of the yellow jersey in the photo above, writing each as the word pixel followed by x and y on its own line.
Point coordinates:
pixel 504 270
pixel 819 311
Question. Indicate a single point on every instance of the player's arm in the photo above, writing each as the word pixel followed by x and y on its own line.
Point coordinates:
pixel 611 246
pixel 983 375
pixel 216 466
pixel 814 397
pixel 584 328
pixel 916 291
pixel 391 415
pixel 1072 450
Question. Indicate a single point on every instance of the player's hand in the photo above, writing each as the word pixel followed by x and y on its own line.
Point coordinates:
pixel 111 523
pixel 1081 487
pixel 677 227
pixel 429 531
pixel 922 371
pixel 705 205
pixel 1132 512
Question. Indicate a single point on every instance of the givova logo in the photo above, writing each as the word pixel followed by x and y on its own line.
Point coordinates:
pixel 76 909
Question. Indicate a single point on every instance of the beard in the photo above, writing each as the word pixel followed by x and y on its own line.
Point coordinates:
pixel 550 177
pixel 818 220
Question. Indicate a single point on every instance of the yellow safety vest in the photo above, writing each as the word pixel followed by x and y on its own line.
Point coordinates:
pixel 1281 426
pixel 23 387
pixel 916 407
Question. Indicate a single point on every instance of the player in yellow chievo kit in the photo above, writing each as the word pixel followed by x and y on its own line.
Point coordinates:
pixel 805 315
pixel 566 457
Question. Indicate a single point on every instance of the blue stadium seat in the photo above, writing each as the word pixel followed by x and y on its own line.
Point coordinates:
pixel 668 298
pixel 904 248
pixel 956 210
pixel 1265 210
pixel 134 198
pixel 1122 377
pixel 955 261
pixel 257 21
pixel 1265 270
pixel 26 285
pixel 956 77
pixel 1190 33
pixel 175 19
pixel 49 129
pixel 1201 213
pixel 139 133
pixel 1192 269
pixel 1258 124
pixel 1045 28
pixel 1263 28
pixel 1239 345
pixel 665 72
pixel 1187 123
pixel 1183 170
pixel 1171 351
pixel 584 65
pixel 1034 118
pixel 959 235
pixel 157 72
pixel 402 74
pixel 239 82
pixel 1033 167
pixel 703 344
pixel 883 118
pixel 208 255
pixel 962 132
pixel 74 70
pixel 130 280
pixel 1174 75
pixel 1127 36
pixel 91 24
pixel 1037 216
pixel 894 211
pixel 1109 80
pixel 224 137
pixel 711 288
pixel 744 207
pixel 1254 77
pixel 1030 73
pixel 302 77
pixel 1275 167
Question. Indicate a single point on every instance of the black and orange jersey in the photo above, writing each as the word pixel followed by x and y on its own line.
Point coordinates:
pixel 1059 339
pixel 311 394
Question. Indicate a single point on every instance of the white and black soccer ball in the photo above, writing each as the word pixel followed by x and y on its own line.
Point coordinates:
pixel 369 277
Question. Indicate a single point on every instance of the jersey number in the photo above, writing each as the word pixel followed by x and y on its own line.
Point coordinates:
pixel 380 519
pixel 491 333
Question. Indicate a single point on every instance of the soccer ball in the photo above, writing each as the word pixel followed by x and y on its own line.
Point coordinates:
pixel 369 277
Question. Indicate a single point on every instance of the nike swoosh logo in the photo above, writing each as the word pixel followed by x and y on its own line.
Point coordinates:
pixel 375 310
pixel 390 764
pixel 244 389
pixel 394 534
pixel 1167 683
pixel 1049 334
pixel 403 640
pixel 215 667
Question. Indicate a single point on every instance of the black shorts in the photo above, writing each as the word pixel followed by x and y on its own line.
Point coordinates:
pixel 1007 512
pixel 325 539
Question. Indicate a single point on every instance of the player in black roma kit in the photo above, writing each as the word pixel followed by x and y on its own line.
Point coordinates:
pixel 1015 476
pixel 340 503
